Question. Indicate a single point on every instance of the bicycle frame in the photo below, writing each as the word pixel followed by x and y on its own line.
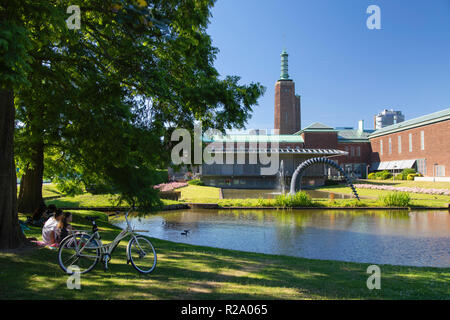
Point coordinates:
pixel 107 250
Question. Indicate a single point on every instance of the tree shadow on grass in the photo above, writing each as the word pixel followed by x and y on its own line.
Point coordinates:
pixel 194 272
pixel 186 272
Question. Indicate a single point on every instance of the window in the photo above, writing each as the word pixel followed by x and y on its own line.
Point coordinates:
pixel 422 140
pixel 440 171
pixel 352 151
pixel 422 166
pixel 346 150
pixel 358 151
pixel 381 147
pixel 399 144
pixel 410 142
pixel 390 146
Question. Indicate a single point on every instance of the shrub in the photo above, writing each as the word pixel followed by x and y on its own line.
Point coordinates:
pixel 196 182
pixel 372 176
pixel 162 176
pixel 300 199
pixel 411 176
pixel 385 175
pixel 399 176
pixel 407 172
pixel 396 199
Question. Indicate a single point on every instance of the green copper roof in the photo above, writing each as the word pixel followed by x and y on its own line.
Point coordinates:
pixel 284 66
pixel 352 135
pixel 316 126
pixel 282 138
pixel 416 122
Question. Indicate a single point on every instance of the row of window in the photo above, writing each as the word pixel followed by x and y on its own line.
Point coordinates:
pixel 399 143
pixel 353 151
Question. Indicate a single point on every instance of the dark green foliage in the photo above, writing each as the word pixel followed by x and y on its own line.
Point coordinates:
pixel 105 99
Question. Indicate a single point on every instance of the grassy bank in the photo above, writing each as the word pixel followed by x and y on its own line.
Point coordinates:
pixel 93 201
pixel 417 199
pixel 194 272
pixel 48 190
pixel 409 184
pixel 200 194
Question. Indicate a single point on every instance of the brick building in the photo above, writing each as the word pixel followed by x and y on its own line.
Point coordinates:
pixel 355 143
pixel 422 143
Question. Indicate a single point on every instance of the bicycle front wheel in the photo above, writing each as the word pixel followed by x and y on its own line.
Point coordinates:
pixel 142 254
pixel 78 253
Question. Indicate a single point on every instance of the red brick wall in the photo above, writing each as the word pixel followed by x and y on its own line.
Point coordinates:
pixel 285 102
pixel 365 152
pixel 298 114
pixel 326 140
pixel 437 146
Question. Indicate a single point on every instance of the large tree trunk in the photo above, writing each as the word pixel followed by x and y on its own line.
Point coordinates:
pixel 11 236
pixel 30 195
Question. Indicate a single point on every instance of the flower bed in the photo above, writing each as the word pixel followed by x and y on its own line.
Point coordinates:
pixel 164 187
pixel 444 192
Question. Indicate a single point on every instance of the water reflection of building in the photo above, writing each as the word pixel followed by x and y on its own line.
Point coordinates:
pixel 421 143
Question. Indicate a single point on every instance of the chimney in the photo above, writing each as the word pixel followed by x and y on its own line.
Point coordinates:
pixel 361 125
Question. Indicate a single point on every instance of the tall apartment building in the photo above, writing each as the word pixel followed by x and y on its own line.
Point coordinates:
pixel 388 117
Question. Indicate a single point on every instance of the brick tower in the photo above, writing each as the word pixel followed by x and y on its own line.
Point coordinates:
pixel 287 103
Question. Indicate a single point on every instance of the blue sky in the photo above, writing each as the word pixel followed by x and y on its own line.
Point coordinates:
pixel 343 71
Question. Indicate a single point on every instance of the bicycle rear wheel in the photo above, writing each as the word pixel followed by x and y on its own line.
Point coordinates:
pixel 77 251
pixel 142 254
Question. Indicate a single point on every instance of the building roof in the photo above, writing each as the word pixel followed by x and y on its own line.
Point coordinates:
pixel 353 135
pixel 413 123
pixel 281 138
pixel 393 165
pixel 316 126
pixel 296 150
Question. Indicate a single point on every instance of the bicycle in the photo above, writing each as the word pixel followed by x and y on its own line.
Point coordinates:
pixel 85 250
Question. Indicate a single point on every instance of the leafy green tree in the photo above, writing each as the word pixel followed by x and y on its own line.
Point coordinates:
pixel 102 101
pixel 14 65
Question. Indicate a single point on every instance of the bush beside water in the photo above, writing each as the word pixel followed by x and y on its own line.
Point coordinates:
pixel 396 199
pixel 300 199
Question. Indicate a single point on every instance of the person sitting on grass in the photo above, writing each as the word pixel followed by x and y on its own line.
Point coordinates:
pixel 64 227
pixel 49 229
pixel 51 210
pixel 39 216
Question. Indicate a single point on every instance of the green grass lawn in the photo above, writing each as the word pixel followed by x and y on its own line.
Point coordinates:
pixel 410 184
pixel 418 199
pixel 199 194
pixel 93 201
pixel 202 194
pixel 194 272
pixel 48 190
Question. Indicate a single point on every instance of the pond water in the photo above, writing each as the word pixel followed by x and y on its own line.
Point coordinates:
pixel 380 237
pixel 271 194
